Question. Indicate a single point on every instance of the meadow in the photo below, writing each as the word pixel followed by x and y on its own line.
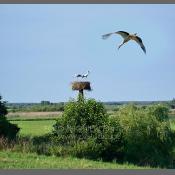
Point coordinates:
pixel 39 127
pixel 37 124
pixel 34 127
pixel 18 160
pixel 42 123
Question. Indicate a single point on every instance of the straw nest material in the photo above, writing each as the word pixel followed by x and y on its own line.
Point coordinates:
pixel 81 85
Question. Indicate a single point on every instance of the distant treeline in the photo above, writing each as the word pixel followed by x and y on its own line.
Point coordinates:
pixel 170 103
pixel 44 106
pixel 136 102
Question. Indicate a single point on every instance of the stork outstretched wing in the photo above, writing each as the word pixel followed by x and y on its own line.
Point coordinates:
pixel 139 41
pixel 106 35
pixel 122 33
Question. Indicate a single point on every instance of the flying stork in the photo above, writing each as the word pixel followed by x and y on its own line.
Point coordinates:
pixel 126 36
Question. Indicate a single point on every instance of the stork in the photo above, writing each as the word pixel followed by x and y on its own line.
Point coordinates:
pixel 82 76
pixel 85 75
pixel 78 75
pixel 127 37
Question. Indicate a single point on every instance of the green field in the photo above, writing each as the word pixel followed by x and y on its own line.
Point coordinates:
pixel 41 127
pixel 35 127
pixel 25 161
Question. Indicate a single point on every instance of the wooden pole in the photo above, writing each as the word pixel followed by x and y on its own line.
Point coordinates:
pixel 81 95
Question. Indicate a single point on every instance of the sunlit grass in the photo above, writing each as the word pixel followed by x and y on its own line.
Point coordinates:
pixel 35 128
pixel 9 160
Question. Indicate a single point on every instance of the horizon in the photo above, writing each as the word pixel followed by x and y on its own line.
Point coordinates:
pixel 139 101
pixel 43 46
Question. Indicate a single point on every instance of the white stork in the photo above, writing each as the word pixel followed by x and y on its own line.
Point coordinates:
pixel 126 36
pixel 78 75
pixel 82 76
pixel 85 75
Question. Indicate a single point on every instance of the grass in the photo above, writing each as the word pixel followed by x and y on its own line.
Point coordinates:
pixel 18 160
pixel 34 128
pixel 172 121
pixel 40 126
pixel 172 124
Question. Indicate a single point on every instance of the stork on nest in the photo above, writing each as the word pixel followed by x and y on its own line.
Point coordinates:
pixel 127 37
pixel 82 75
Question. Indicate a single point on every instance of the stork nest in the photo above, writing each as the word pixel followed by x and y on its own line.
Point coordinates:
pixel 81 85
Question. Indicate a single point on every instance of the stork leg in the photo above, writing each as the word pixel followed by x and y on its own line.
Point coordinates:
pixel 122 44
pixel 125 41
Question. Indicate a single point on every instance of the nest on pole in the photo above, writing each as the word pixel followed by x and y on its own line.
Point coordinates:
pixel 81 86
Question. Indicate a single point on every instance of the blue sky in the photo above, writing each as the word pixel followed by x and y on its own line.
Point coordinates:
pixel 43 46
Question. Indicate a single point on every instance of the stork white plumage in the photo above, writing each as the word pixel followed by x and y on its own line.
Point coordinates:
pixel 82 75
pixel 86 75
pixel 127 37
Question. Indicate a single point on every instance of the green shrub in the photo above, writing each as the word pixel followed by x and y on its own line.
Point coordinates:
pixel 147 135
pixel 3 109
pixel 87 131
pixel 80 120
pixel 7 130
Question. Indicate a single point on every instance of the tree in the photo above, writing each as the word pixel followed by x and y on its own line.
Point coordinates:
pixel 3 109
pixel 45 102
pixel 7 129
pixel 172 103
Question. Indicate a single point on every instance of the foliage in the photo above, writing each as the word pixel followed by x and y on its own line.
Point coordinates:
pixel 86 130
pixel 80 119
pixel 141 135
pixel 7 129
pixel 172 103
pixel 147 135
pixel 3 109
pixel 45 102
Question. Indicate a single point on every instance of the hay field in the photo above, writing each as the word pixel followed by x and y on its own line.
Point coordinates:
pixel 32 115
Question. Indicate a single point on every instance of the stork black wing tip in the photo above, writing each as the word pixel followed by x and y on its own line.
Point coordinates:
pixel 106 35
pixel 102 37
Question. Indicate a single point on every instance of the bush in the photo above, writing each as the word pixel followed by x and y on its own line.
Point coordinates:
pixel 147 135
pixel 87 131
pixel 139 135
pixel 80 119
pixel 3 109
pixel 7 129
